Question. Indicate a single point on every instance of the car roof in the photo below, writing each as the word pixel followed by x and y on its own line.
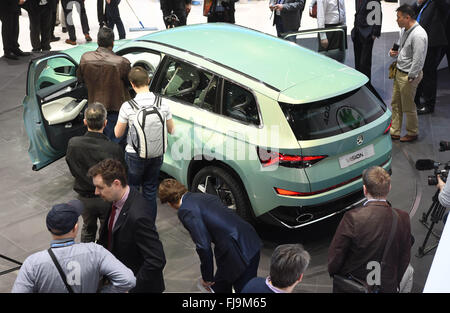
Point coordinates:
pixel 300 74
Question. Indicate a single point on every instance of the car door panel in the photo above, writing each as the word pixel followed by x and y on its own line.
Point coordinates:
pixel 53 107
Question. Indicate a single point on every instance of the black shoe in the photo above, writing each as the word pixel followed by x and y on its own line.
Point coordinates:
pixel 36 50
pixel 54 39
pixel 10 55
pixel 426 109
pixel 64 30
pixel 20 53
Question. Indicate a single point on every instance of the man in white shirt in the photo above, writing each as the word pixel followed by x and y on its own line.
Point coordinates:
pixel 329 13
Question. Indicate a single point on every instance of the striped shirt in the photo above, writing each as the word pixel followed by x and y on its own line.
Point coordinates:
pixel 84 264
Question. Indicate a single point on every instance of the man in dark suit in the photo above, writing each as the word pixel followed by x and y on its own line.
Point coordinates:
pixel 287 15
pixel 129 232
pixel 432 16
pixel 236 243
pixel 364 35
pixel 83 152
pixel 9 15
pixel 360 239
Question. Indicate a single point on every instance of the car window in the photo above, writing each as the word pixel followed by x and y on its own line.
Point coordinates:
pixel 53 71
pixel 333 116
pixel 144 58
pixel 239 104
pixel 189 84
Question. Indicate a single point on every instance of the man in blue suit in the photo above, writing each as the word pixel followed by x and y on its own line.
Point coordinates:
pixel 236 243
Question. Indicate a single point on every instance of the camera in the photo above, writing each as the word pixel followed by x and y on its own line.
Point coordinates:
pixel 440 169
pixel 171 21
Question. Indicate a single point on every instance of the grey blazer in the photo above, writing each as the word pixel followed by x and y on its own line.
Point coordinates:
pixel 291 14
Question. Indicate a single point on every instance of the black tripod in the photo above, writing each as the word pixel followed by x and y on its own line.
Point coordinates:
pixel 436 211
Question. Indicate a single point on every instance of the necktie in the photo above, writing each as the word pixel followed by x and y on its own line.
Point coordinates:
pixel 110 225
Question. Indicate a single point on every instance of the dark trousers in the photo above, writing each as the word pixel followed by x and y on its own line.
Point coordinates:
pixel 54 9
pixel 428 86
pixel 362 48
pixel 10 31
pixel 40 27
pixel 109 129
pixel 68 6
pixel 101 13
pixel 144 173
pixel 94 209
pixel 222 285
pixel 113 17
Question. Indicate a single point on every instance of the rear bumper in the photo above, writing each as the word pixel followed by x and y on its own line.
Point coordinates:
pixel 300 216
pixel 294 217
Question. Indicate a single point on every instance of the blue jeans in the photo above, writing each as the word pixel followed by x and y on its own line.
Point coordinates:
pixel 109 129
pixel 144 173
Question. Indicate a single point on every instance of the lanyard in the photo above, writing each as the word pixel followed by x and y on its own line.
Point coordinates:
pixel 62 244
pixel 423 8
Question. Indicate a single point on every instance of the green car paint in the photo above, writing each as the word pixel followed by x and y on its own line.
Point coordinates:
pixel 281 77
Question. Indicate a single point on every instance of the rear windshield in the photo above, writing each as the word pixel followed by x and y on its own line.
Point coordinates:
pixel 333 116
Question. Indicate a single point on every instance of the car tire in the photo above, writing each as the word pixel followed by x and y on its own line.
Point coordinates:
pixel 217 181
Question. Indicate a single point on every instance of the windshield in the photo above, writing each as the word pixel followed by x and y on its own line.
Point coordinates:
pixel 333 116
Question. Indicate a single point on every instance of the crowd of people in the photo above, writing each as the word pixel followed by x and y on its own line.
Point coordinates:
pixel 118 188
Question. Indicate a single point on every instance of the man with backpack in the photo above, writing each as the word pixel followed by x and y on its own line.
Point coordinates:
pixel 147 136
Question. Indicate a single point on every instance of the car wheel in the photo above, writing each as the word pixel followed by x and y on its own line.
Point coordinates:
pixel 215 180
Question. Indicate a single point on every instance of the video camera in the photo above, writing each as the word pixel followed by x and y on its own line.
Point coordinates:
pixel 427 164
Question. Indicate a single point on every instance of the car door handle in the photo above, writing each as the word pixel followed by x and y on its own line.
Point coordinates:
pixel 58 93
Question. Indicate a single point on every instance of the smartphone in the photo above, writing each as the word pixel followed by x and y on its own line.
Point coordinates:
pixel 395 47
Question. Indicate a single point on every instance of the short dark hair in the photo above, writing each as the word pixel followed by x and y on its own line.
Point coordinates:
pixel 170 190
pixel 95 116
pixel 109 170
pixel 138 76
pixel 288 262
pixel 377 181
pixel 408 10
pixel 105 37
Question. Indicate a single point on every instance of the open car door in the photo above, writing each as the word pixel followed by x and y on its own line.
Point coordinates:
pixel 53 107
pixel 310 39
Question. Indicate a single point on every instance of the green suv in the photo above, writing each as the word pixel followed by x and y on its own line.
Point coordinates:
pixel 278 132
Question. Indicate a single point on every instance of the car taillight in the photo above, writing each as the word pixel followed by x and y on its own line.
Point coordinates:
pixel 388 128
pixel 268 158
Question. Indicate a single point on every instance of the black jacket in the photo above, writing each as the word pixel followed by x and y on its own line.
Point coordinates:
pixel 86 151
pixel 361 25
pixel 433 20
pixel 9 6
pixel 136 243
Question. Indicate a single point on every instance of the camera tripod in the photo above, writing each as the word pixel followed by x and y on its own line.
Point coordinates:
pixel 436 211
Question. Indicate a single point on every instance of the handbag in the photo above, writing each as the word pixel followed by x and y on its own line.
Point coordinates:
pixel 351 284
pixel 392 70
